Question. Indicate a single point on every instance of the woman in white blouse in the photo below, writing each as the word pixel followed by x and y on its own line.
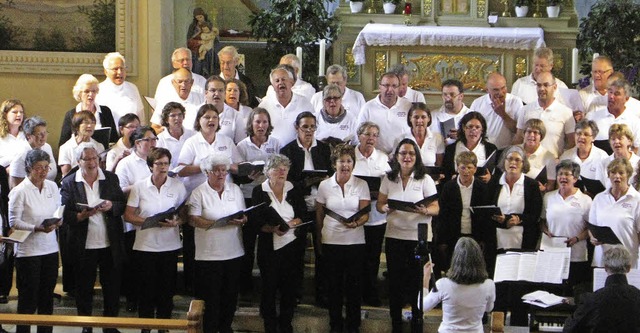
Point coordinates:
pixel 431 144
pixel 341 243
pixel 35 129
pixel 156 248
pixel 618 208
pixel 621 141
pixel 175 135
pixel 30 203
pixel 279 248
pixel 371 162
pixel 219 251
pixel 466 293
pixel 236 97
pixel 334 121
pixel 206 141
pixel 126 125
pixel 538 156
pixel 11 135
pixel 565 213
pixel 83 124
pixel 407 181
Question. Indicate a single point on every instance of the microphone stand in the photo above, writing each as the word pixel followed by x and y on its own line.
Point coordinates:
pixel 421 256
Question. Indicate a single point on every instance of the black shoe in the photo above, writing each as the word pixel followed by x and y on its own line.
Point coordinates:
pixel 163 331
pixel 2 330
pixel 87 330
pixel 110 330
pixel 145 330
pixel 132 306
pixel 4 299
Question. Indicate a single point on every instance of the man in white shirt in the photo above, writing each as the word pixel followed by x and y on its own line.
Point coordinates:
pixel 301 87
pixel 557 118
pixel 500 109
pixel 616 112
pixel 405 91
pixel 181 58
pixel 120 96
pixel 182 92
pixel 229 119
pixel 594 96
pixel 453 107
pixel 388 111
pixel 525 87
pixel 284 106
pixel 229 60
pixel 352 100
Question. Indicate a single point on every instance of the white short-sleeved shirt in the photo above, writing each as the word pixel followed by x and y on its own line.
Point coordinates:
pixel 590 166
pixel 497 132
pixel 121 99
pixel 191 105
pixel 165 140
pixel 249 152
pixel 414 96
pixel 343 130
pixel 463 305
pixel 592 100
pixel 479 151
pixel 603 176
pixel 148 201
pixel 283 119
pixel 511 202
pixel 118 149
pixel 242 117
pixel 375 165
pixel 404 225
pixel 132 169
pixel 331 195
pixel 301 87
pixel 540 159
pixel 352 101
pixel 286 212
pixel 66 152
pixel 604 120
pixel 165 87
pixel 440 116
pixel 558 121
pixel 392 121
pixel 232 124
pixel 10 147
pixel 623 217
pixel 568 218
pixel 196 148
pixel 525 88
pixel 433 145
pixel 221 243
pixel 28 208
pixel 17 167
pixel 97 237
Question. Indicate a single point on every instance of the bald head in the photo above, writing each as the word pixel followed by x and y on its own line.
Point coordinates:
pixel 182 81
pixel 497 87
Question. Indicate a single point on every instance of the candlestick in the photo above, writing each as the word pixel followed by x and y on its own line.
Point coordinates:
pixel 595 55
pixel 299 55
pixel 574 65
pixel 323 44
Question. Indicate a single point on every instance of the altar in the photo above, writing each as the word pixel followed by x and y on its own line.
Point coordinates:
pixel 370 44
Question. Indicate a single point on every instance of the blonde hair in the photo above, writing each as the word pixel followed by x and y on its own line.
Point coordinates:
pixel 83 81
pixel 6 107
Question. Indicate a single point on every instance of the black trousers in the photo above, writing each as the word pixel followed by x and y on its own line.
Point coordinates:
pixel 6 273
pixel 216 282
pixel 374 237
pixel 36 278
pixel 157 273
pixel 188 256
pixel 404 281
pixel 249 236
pixel 68 272
pixel 129 275
pixel 86 266
pixel 278 272
pixel 344 272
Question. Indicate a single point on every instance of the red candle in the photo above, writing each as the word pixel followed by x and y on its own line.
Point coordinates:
pixel 407 8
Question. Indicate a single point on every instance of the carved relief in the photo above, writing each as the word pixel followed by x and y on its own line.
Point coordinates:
pixel 521 67
pixel 482 6
pixel 427 6
pixel 381 65
pixel 350 64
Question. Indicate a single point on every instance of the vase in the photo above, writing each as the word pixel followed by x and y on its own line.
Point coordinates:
pixel 553 11
pixel 521 11
pixel 356 6
pixel 389 8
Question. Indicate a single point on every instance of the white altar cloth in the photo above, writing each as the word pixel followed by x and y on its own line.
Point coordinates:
pixel 374 34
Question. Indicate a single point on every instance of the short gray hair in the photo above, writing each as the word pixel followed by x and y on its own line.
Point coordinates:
pixel 83 80
pixel 544 53
pixel 292 60
pixel 569 165
pixel 586 123
pixel 180 49
pixel 617 260
pixel 275 161
pixel 337 69
pixel 514 149
pixel 34 156
pixel 621 84
pixel 79 150
pixel 110 56
pixel 211 161
pixel 283 67
pixel 401 70
pixel 331 88
pixel 366 125
pixel 31 123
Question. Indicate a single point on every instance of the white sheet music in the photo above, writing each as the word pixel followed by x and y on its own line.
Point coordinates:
pixel 552 242
pixel 549 266
pixel 548 263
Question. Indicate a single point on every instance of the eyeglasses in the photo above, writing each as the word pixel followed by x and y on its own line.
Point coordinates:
pixel 407 153
pixel 219 171
pixel 41 134
pixel 131 127
pixel 89 159
pixel 161 164
pixel 371 135
pixel 181 60
pixel 308 127
pixel 534 132
pixel 545 85
pixel 153 139
pixel 565 173
pixel 514 159
pixel 332 99
pixel 450 95
pixel 387 86
pixel 216 90
pixel 41 168
pixel 600 73
pixel 115 69
pixel 585 134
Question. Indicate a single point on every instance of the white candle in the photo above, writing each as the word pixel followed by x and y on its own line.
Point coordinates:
pixel 574 65
pixel 323 44
pixel 299 55
pixel 595 55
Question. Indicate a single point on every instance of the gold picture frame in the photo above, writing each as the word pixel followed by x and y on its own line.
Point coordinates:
pixel 75 63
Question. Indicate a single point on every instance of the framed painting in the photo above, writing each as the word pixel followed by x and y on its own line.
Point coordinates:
pixel 70 62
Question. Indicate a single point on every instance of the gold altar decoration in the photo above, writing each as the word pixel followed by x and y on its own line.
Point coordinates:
pixel 521 67
pixel 482 6
pixel 427 6
pixel 381 65
pixel 350 64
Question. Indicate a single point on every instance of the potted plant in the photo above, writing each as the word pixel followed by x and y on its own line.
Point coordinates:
pixel 553 8
pixel 522 7
pixel 389 6
pixel 356 5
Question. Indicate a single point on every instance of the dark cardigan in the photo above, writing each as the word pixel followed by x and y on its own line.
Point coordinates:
pixel 448 163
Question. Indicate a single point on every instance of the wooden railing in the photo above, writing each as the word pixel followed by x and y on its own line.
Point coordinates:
pixel 193 323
